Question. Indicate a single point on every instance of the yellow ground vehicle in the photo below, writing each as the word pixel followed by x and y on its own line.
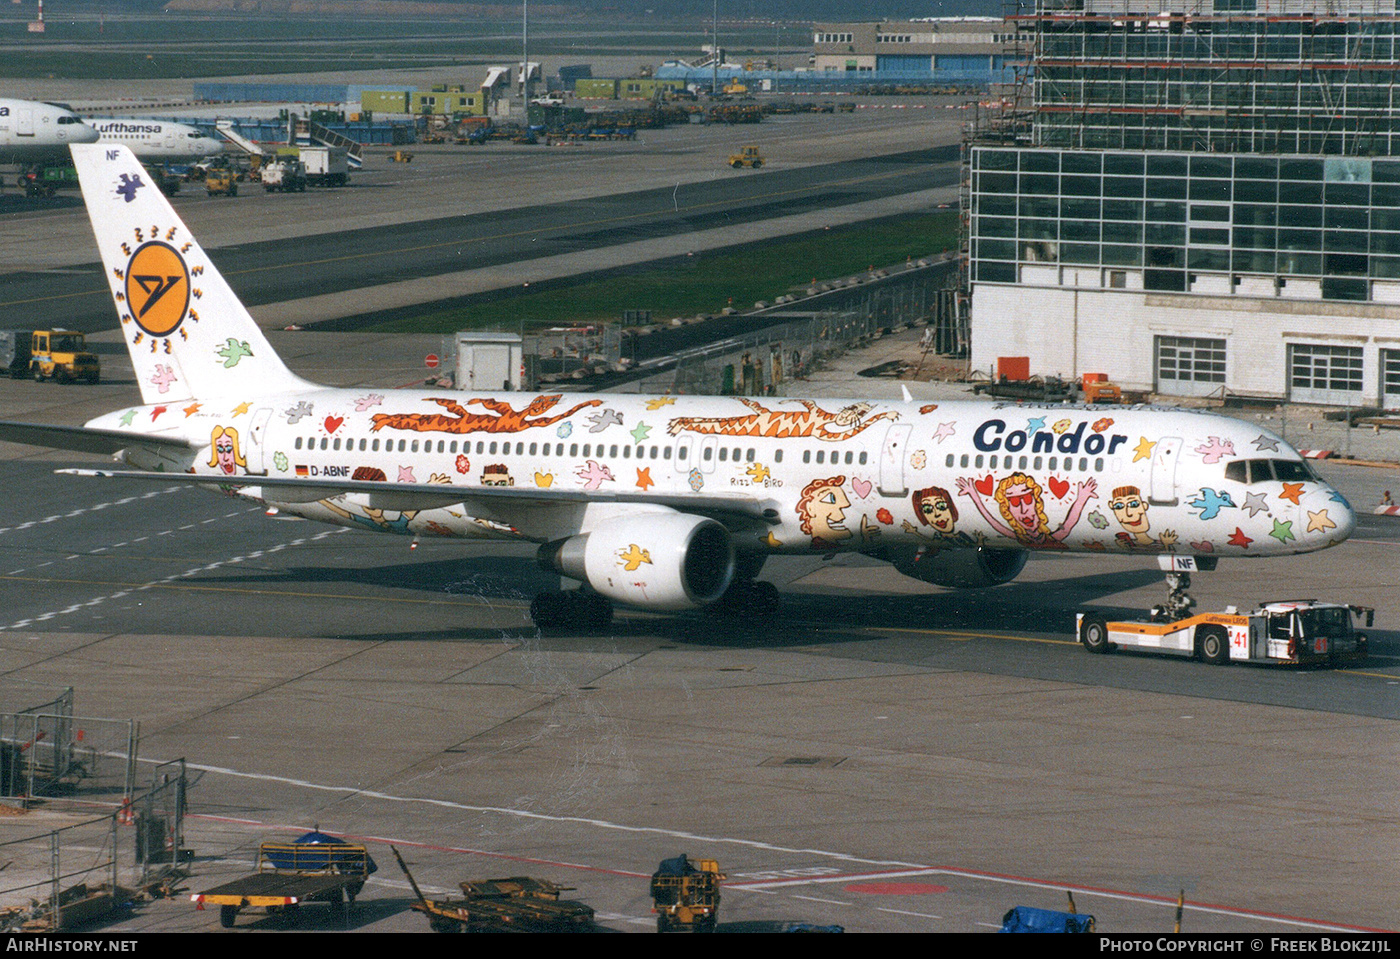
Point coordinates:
pixel 61 355
pixel 746 157
pixel 221 183
pixel 685 894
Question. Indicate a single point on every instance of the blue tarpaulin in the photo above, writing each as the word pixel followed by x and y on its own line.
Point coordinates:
pixel 1030 919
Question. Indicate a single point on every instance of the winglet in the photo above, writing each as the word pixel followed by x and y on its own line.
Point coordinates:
pixel 188 334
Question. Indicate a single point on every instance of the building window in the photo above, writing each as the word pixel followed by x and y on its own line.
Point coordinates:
pixel 1190 365
pixel 1324 374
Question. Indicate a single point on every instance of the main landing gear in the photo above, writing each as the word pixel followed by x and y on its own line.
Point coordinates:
pixel 571 609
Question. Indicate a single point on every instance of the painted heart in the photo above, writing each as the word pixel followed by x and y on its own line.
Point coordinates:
pixel 985 485
pixel 544 479
pixel 1204 547
pixel 1059 487
pixel 862 487
pixel 333 423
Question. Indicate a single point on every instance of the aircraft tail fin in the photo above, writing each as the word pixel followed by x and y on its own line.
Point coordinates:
pixel 189 336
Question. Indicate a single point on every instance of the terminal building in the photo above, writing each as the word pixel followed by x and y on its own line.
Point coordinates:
pixel 1195 197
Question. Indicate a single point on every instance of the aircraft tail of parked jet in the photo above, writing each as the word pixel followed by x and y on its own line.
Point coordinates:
pixel 189 335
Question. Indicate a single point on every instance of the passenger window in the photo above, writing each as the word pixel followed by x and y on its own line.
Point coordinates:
pixel 863 458
pixel 748 456
pixel 723 454
pixel 375 446
pixel 948 463
pixel 533 448
pixel 573 449
pixel 963 461
pixel 821 456
pixel 297 445
pixel 806 456
pixel 403 445
pixel 777 456
pixel 708 454
pixel 612 450
pixel 325 442
pixel 849 457
pixel 977 463
pixel 336 444
pixel 627 452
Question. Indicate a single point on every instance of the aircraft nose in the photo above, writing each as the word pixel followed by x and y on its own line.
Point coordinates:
pixel 1327 512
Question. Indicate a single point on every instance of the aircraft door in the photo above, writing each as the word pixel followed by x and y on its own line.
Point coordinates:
pixel 24 121
pixel 706 451
pixel 1164 460
pixel 892 459
pixel 257 442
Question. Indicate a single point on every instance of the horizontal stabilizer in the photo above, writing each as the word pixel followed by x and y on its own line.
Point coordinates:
pixel 84 439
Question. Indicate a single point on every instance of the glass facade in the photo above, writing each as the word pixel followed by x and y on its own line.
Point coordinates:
pixel 1254 76
pixel 1173 216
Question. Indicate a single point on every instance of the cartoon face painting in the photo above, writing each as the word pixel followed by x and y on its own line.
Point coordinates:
pixel 1021 502
pixel 822 510
pixel 934 507
pixel 496 474
pixel 226 454
pixel 1130 509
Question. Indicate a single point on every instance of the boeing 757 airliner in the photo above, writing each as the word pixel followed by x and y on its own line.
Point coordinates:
pixel 663 502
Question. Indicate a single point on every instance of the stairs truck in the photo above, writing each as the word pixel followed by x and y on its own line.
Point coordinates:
pixel 1296 632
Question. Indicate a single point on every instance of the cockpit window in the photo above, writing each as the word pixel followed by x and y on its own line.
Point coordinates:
pixel 1263 471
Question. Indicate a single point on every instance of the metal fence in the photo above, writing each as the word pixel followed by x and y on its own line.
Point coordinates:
pixel 77 873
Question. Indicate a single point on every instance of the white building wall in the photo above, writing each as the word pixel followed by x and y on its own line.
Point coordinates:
pixel 1068 332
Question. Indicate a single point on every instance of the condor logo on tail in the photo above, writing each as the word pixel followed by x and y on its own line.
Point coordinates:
pixel 157 288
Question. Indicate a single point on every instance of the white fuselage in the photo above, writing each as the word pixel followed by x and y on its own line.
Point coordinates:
pixel 33 132
pixel 832 477
pixel 157 140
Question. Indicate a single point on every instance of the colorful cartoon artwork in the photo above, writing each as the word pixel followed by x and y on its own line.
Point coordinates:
pixel 944 431
pixel 1255 503
pixel 497 474
pixel 938 516
pixel 1130 509
pixel 1210 502
pixel 192 409
pixel 696 480
pixel 640 432
pixel 1214 449
pixel 656 404
pixel 1319 522
pixel 463 465
pixel 406 475
pixel 233 351
pixel 226 454
pixel 164 376
pixel 603 419
pixel 821 510
pixel 633 557
pixel 812 420
pixel 501 418
pixel 644 480
pixel 1021 503
pixel 594 474
pixel 544 480
pixel 364 403
pixel 298 412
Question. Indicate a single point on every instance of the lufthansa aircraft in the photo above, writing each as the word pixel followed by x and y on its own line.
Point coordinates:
pixel 662 502
pixel 32 132
pixel 157 141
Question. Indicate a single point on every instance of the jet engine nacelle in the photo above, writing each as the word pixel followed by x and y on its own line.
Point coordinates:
pixel 666 561
pixel 962 568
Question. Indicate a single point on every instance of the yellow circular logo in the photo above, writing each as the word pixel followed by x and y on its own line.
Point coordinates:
pixel 157 288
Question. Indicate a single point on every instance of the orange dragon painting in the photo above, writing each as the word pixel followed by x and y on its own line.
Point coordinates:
pixel 502 418
pixel 811 421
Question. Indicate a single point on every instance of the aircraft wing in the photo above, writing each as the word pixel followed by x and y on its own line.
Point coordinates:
pixel 419 496
pixel 83 439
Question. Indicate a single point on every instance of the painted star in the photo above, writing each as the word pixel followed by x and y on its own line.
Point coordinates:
pixel 1291 492
pixel 242 408
pixel 1210 502
pixel 1239 539
pixel 406 475
pixel 644 480
pixel 1319 522
pixel 157 411
pixel 640 431
pixel 1143 451
pixel 1034 425
pixel 1255 503
pixel 190 410
pixel 127 417
pixel 1282 531
pixel 1266 442
pixel 944 431
pixel 633 557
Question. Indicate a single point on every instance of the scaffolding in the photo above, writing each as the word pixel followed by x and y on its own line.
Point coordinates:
pixel 1236 76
